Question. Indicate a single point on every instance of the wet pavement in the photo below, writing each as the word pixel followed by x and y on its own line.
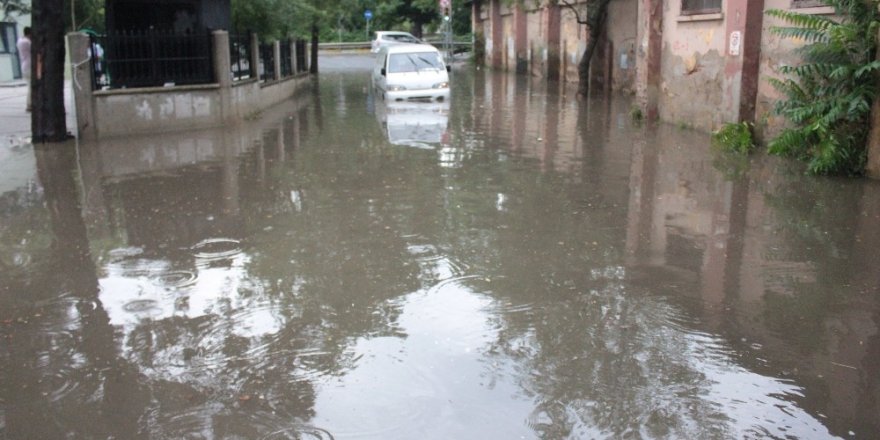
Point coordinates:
pixel 510 264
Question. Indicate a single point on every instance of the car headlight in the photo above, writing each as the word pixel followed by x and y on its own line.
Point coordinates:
pixel 396 88
pixel 442 85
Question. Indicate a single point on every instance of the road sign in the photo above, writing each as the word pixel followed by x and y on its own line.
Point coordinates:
pixel 368 14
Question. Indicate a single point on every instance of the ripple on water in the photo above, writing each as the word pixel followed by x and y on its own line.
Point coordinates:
pixel 174 279
pixel 216 249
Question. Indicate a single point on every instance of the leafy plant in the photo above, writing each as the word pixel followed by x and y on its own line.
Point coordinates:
pixel 829 95
pixel 734 137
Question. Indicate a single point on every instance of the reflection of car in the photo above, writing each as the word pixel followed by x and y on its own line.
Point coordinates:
pixel 390 38
pixel 415 124
pixel 411 71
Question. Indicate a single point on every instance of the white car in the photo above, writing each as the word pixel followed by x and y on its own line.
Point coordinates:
pixel 390 38
pixel 407 72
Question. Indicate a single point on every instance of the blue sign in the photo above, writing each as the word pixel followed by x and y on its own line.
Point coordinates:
pixel 368 14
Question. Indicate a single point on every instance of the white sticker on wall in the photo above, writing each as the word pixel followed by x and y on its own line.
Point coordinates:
pixel 735 43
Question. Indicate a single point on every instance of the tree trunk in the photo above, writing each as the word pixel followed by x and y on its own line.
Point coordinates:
pixel 313 61
pixel 48 123
pixel 596 25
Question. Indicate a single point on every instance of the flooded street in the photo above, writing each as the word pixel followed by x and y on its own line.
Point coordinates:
pixel 508 264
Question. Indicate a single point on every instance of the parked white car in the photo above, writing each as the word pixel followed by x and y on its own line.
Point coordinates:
pixel 389 38
pixel 406 72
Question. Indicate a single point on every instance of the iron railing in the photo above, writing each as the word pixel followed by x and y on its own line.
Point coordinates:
pixel 301 56
pixel 240 56
pixel 151 58
pixel 267 61
pixel 286 59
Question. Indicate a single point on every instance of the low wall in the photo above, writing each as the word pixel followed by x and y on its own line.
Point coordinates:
pixel 109 113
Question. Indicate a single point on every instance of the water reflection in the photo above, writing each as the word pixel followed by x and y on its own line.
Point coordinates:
pixel 549 271
pixel 414 124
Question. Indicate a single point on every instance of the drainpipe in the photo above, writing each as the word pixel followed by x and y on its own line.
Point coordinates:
pixel 83 81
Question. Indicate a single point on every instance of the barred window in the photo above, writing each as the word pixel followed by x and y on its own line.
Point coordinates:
pixel 806 3
pixel 694 7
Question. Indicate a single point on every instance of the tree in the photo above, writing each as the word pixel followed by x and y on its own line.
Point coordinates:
pixel 592 14
pixel 16 7
pixel 48 123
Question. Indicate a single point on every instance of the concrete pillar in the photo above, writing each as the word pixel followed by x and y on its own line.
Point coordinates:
pixel 496 43
pixel 222 60
pixel 223 72
pixel 648 56
pixel 255 55
pixel 520 40
pixel 276 55
pixel 751 58
pixel 552 19
pixel 83 80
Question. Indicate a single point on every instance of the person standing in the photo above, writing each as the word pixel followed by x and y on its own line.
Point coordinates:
pixel 24 55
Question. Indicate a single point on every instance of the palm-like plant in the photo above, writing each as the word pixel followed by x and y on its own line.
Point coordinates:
pixel 829 95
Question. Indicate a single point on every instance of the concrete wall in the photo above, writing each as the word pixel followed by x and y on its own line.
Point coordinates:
pixel 109 113
pixel 554 41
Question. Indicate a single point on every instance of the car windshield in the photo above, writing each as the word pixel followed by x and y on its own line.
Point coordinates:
pixel 414 62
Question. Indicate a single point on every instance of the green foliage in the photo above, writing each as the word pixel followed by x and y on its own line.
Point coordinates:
pixel 636 114
pixel 829 95
pixel 14 7
pixel 734 137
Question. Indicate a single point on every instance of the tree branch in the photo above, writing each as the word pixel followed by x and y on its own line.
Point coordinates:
pixel 573 8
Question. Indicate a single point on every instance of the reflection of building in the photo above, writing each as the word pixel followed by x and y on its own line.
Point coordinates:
pixel 767 262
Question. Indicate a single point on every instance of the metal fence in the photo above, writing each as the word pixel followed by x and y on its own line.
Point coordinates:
pixel 301 56
pixel 151 58
pixel 267 61
pixel 286 59
pixel 240 56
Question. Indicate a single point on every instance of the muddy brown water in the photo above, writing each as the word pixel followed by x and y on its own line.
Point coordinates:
pixel 510 264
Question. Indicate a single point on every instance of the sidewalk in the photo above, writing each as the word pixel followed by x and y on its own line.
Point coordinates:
pixel 15 122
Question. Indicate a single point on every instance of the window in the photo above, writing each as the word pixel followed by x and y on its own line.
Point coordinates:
pixel 695 7
pixel 806 4
pixel 7 37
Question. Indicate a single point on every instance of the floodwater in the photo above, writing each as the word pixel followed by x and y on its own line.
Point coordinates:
pixel 511 264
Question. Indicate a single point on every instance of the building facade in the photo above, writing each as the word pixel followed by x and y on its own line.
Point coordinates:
pixel 11 28
pixel 696 63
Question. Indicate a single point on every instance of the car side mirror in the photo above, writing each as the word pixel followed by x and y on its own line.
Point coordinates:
pixel 382 71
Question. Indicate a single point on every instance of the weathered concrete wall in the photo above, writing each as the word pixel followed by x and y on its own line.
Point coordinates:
pixel 109 113
pixel 693 70
pixel 146 110
pixel 622 19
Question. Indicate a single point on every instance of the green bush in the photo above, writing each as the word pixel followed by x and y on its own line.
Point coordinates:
pixel 828 97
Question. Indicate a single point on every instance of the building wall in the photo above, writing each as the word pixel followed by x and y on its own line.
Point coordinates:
pixel 775 52
pixel 693 71
pixel 9 61
pixel 544 28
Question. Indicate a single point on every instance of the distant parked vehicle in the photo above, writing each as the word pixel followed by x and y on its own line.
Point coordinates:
pixel 406 72
pixel 389 38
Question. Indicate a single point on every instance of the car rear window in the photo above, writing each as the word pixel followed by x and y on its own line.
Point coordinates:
pixel 401 38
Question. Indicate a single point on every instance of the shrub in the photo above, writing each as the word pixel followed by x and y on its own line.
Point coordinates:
pixel 828 97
